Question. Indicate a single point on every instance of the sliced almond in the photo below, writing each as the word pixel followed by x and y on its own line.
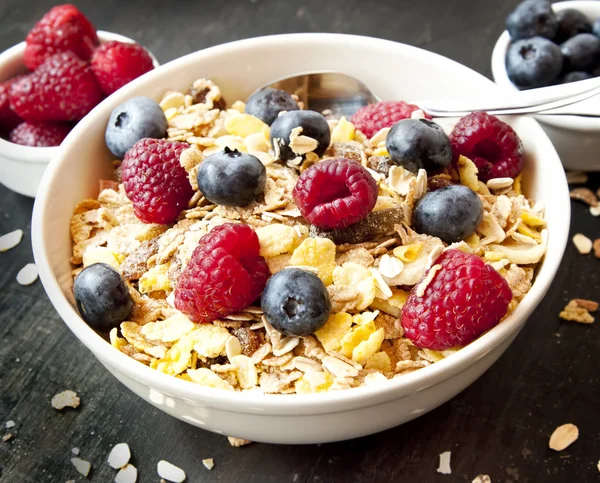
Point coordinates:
pixel 563 437
pixel 582 243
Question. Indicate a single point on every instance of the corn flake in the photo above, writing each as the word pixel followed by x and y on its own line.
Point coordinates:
pixel 355 279
pixel 336 327
pixel 379 361
pixel 343 132
pixel 206 377
pixel 407 253
pixel 468 173
pixel 155 279
pixel 314 382
pixel 276 239
pixel 318 253
pixel 358 334
pixel 94 254
pixel 169 330
pixel 244 125
pixel 367 348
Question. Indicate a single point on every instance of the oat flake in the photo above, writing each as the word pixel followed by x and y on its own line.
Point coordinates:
pixel 7 437
pixel 9 424
pixel 81 466
pixel 237 442
pixel 127 474
pixel 10 240
pixel 582 243
pixel 28 274
pixel 119 456
pixel 482 479
pixel 75 451
pixel 209 463
pixel 444 467
pixel 563 437
pixel 170 472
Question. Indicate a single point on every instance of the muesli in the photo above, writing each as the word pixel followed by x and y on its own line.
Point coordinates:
pixel 380 244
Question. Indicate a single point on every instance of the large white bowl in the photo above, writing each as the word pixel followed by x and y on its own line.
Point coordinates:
pixel 394 71
pixel 576 138
pixel 22 167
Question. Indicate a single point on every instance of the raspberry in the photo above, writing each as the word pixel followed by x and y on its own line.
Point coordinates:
pixel 64 28
pixel 335 193
pixel 40 133
pixel 154 180
pixel 465 298
pixel 370 119
pixel 491 144
pixel 117 63
pixel 224 275
pixel 63 88
pixel 8 118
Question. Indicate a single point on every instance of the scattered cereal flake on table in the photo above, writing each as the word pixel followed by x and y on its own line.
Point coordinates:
pixel 482 479
pixel 75 451
pixel 119 456
pixel 596 247
pixel 209 463
pixel 10 240
pixel 582 243
pixel 238 442
pixel 563 437
pixel 598 465
pixel 9 424
pixel 444 467
pixel 7 437
pixel 65 399
pixel 595 210
pixel 576 177
pixel 170 472
pixel 81 466
pixel 127 474
pixel 578 310
pixel 28 274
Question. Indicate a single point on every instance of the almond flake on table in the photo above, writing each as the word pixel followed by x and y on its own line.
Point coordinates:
pixel 170 472
pixel 65 399
pixel 563 437
pixel 9 424
pixel 444 467
pixel 10 240
pixel 582 243
pixel 119 456
pixel 238 442
pixel 7 437
pixel 209 463
pixel 81 466
pixel 127 474
pixel 482 479
pixel 28 274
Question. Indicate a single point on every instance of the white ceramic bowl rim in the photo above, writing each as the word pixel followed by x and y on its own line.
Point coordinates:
pixel 252 402
pixel 574 123
pixel 30 154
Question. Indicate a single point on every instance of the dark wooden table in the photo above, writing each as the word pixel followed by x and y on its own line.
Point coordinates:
pixel 499 426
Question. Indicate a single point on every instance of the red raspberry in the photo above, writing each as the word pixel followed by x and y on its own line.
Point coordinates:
pixel 224 275
pixel 117 63
pixel 154 180
pixel 370 119
pixel 491 144
pixel 465 298
pixel 63 88
pixel 64 28
pixel 8 118
pixel 335 193
pixel 40 133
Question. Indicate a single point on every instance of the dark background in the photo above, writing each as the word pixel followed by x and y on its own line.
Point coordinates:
pixel 499 426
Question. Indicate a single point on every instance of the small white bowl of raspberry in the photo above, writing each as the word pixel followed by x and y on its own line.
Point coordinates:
pixel 394 71
pixel 576 138
pixel 22 163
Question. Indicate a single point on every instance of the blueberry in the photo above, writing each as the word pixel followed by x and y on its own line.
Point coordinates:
pixel 596 28
pixel 451 213
pixel 570 23
pixel 231 178
pixel 532 18
pixel 419 144
pixel 574 77
pixel 267 103
pixel 535 62
pixel 581 52
pixel 296 302
pixel 102 297
pixel 135 119
pixel 313 125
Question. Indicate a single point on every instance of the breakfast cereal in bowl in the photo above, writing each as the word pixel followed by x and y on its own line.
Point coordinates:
pixel 261 246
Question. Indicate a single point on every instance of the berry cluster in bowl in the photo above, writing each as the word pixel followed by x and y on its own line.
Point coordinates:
pixel 264 247
pixel 70 72
pixel 551 48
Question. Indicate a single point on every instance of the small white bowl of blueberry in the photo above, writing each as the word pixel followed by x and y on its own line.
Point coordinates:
pixel 551 44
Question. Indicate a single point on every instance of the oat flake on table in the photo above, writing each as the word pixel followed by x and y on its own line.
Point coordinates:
pixel 65 399
pixel 10 240
pixel 444 467
pixel 28 274
pixel 127 474
pixel 209 463
pixel 170 472
pixel 119 456
pixel 9 424
pixel 563 437
pixel 482 479
pixel 81 466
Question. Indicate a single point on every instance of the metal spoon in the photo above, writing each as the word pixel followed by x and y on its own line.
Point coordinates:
pixel 343 95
